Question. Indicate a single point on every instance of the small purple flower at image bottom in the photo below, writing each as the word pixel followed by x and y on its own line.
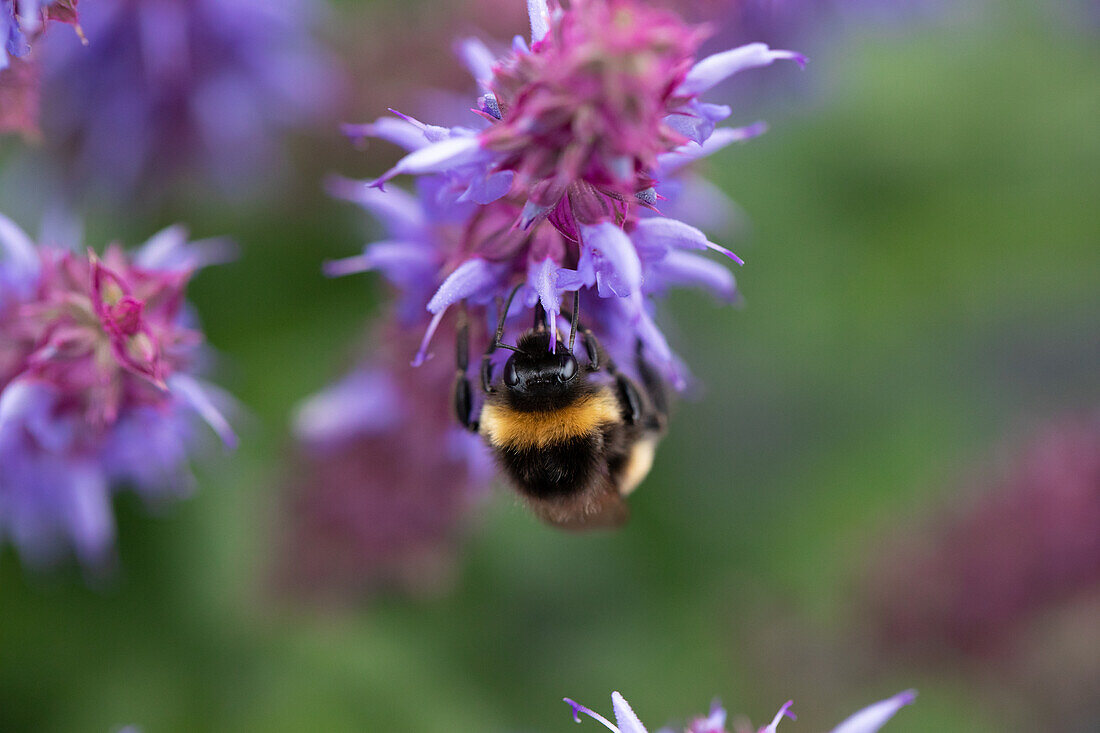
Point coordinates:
pixel 98 389
pixel 172 91
pixel 867 720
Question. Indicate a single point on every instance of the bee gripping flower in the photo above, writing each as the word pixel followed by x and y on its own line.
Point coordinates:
pixel 97 385
pixel 868 720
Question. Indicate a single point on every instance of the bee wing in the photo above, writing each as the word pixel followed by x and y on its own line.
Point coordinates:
pixel 606 511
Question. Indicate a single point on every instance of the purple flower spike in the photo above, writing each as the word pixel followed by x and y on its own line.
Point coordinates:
pixel 581 140
pixel 370 506
pixel 868 720
pixel 97 387
pixel 176 90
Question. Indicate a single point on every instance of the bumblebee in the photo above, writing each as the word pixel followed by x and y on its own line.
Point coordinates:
pixel 573 438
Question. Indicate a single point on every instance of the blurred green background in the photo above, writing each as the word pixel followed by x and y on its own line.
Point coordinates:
pixel 922 280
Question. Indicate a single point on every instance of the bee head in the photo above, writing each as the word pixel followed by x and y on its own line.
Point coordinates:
pixel 536 377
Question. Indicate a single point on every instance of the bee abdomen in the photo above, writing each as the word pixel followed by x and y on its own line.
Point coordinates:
pixel 554 471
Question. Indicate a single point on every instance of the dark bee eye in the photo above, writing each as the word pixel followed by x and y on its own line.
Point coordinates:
pixel 511 376
pixel 568 369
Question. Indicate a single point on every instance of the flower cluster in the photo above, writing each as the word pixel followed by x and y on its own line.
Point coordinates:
pixel 175 88
pixel 867 720
pixel 97 385
pixel 557 185
pixel 385 479
pixel 1024 540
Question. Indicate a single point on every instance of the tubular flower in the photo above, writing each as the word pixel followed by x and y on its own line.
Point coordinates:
pixel 97 386
pixel 385 480
pixel 171 89
pixel 867 720
pixel 1024 542
pixel 577 143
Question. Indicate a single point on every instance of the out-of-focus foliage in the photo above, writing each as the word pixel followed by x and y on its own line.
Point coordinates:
pixel 921 276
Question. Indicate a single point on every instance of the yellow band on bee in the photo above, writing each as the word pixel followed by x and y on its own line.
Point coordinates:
pixel 508 428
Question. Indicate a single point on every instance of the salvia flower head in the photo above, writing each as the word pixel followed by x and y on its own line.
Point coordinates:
pixel 171 90
pixel 97 385
pixel 867 720
pixel 578 141
pixel 385 480
pixel 1023 539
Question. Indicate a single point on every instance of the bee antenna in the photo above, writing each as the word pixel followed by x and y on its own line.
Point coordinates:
pixel 503 317
pixel 575 319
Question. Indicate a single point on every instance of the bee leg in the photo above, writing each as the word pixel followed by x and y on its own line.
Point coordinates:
pixel 487 357
pixel 654 386
pixel 630 401
pixel 593 349
pixel 461 393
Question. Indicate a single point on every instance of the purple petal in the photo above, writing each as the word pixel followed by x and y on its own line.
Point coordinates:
pixel 436 158
pixel 784 711
pixel 539 12
pixel 720 66
pixel 466 281
pixel 723 136
pixel 478 60
pixel 697 120
pixel 197 395
pixel 694 200
pixel 403 263
pixel 18 247
pixel 686 269
pixel 399 211
pixel 488 187
pixel 542 279
pixel 873 717
pixel 17 399
pixel 578 709
pixel 364 402
pixel 624 715
pixel 661 233
pixel 399 132
pixel 433 133
pixel 88 510
pixel 475 279
pixel 618 268
pixel 169 249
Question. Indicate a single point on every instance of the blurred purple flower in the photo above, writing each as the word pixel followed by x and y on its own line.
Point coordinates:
pixel 1024 538
pixel 867 720
pixel 96 386
pixel 385 480
pixel 19 96
pixel 21 23
pixel 170 90
pixel 559 181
